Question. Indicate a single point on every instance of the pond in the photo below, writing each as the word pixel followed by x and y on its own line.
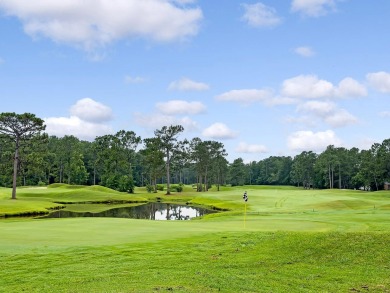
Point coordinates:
pixel 149 211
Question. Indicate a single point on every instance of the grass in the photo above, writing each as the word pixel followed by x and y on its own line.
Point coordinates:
pixel 293 240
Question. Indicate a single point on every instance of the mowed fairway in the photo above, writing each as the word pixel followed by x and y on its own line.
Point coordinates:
pixel 290 240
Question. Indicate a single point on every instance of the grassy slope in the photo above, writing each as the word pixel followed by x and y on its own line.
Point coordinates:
pixel 216 253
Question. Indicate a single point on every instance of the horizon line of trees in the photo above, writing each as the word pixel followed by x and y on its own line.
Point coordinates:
pixel 124 160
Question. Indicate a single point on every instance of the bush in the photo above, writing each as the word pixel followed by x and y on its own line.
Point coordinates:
pixel 160 187
pixel 149 188
pixel 177 187
pixel 122 183
pixel 41 183
pixel 126 184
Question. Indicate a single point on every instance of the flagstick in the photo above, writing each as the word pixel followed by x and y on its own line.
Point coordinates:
pixel 245 217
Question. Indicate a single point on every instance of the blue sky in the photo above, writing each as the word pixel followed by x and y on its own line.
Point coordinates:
pixel 266 78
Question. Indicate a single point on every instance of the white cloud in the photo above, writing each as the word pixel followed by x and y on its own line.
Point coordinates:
pixel 135 79
pixel 90 23
pixel 177 107
pixel 304 51
pixel 260 15
pixel 307 86
pixel 245 96
pixel 86 121
pixel 313 8
pixel 379 81
pixel 312 141
pixel 317 108
pixel 60 126
pixel 186 84
pixel 328 112
pixel 311 87
pixel 340 118
pixel 251 148
pixel 294 89
pixel 91 111
pixel 156 121
pixel 219 131
pixel 349 87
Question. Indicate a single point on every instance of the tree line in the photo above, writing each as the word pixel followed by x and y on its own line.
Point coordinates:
pixel 124 160
pixel 336 167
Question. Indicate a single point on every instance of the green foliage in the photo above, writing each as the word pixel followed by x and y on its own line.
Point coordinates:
pixel 177 187
pixel 125 184
pixel 237 172
pixel 113 161
pixel 41 183
pixel 23 132
pixel 160 187
pixel 149 188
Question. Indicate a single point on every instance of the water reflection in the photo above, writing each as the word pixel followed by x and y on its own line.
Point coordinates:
pixel 150 211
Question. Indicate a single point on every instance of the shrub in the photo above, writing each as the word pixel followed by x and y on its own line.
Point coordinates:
pixel 149 188
pixel 126 184
pixel 41 183
pixel 160 187
pixel 179 188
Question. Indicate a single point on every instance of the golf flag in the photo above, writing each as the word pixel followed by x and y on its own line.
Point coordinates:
pixel 245 197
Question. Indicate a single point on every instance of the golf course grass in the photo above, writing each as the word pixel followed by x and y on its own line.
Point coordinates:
pixel 285 239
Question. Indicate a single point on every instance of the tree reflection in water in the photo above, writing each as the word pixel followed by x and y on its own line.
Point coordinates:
pixel 150 211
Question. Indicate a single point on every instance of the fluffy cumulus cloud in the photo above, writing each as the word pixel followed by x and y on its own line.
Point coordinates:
pixel 296 89
pixel 304 51
pixel 251 148
pixel 260 15
pixel 307 86
pixel 60 126
pixel 313 8
pixel 340 118
pixel 92 23
pixel 91 111
pixel 311 87
pixel 317 108
pixel 312 141
pixel 156 121
pixel 186 84
pixel 219 131
pixel 328 112
pixel 179 107
pixel 349 87
pixel 87 120
pixel 245 96
pixel 379 81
